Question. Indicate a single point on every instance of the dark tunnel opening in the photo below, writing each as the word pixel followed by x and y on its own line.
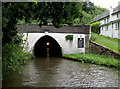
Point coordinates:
pixel 47 46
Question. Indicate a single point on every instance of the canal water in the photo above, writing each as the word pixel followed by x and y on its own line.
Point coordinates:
pixel 59 72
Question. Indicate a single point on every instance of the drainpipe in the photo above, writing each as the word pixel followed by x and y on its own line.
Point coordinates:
pixel 112 30
pixel 111 11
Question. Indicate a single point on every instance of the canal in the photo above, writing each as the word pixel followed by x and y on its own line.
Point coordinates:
pixel 59 72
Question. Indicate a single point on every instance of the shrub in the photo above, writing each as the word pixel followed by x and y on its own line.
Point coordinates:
pixel 95 27
pixel 69 37
pixel 13 55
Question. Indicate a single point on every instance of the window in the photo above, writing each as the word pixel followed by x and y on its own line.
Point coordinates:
pixel 101 28
pixel 117 26
pixel 104 21
pixel 80 42
pixel 106 27
pixel 107 20
pixel 117 16
pixel 112 25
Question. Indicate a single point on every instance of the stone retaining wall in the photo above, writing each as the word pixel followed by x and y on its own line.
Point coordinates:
pixel 87 43
pixel 99 49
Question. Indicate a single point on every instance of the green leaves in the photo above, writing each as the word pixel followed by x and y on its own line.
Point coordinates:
pixel 69 37
pixel 95 27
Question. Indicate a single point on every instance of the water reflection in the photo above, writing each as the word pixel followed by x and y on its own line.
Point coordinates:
pixel 58 72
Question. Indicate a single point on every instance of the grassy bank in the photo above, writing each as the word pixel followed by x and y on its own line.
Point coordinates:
pixel 95 59
pixel 110 43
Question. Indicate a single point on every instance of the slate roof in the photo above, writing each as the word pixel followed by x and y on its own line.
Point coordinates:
pixel 98 17
pixel 117 9
pixel 34 28
pixel 106 14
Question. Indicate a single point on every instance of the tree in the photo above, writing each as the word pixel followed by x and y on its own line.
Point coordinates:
pixel 89 11
pixel 59 13
pixel 88 6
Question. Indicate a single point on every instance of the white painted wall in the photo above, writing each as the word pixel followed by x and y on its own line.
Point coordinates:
pixel 67 46
pixel 111 31
pixel 114 17
pixel 102 21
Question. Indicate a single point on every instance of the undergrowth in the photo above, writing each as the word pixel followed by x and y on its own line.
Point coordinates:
pixel 13 56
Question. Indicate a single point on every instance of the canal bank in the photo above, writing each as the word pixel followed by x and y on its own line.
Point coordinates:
pixel 59 72
pixel 94 59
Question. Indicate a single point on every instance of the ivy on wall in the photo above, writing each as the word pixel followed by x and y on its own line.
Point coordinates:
pixel 69 37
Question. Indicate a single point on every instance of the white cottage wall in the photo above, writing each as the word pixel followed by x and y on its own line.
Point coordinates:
pixel 67 47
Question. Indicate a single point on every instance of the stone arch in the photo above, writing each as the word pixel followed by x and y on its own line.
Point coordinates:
pixel 41 47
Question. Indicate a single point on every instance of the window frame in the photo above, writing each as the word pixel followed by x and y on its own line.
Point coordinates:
pixel 106 28
pixel 117 26
pixel 81 45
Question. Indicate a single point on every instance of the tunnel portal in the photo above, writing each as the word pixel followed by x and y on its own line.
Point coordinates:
pixel 47 46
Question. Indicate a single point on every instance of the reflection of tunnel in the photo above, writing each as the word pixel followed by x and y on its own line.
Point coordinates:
pixel 44 43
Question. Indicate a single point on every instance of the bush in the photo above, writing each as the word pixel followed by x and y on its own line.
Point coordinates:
pixel 13 55
pixel 95 27
pixel 69 37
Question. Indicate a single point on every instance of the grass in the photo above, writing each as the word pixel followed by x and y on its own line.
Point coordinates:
pixel 95 59
pixel 110 43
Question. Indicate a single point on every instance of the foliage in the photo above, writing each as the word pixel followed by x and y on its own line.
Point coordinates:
pixel 92 38
pixel 89 11
pixel 58 12
pixel 86 18
pixel 110 43
pixel 69 37
pixel 95 59
pixel 88 6
pixel 95 27
pixel 98 10
pixel 13 55
pixel 71 15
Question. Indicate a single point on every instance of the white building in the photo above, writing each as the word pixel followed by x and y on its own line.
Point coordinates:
pixel 110 23
pixel 42 40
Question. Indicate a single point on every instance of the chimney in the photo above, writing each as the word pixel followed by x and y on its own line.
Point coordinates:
pixel 111 11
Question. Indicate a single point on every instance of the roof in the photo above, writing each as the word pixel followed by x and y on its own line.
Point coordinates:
pixel 98 17
pixel 106 14
pixel 116 9
pixel 34 28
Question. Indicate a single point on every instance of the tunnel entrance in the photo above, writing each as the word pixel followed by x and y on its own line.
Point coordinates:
pixel 47 46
